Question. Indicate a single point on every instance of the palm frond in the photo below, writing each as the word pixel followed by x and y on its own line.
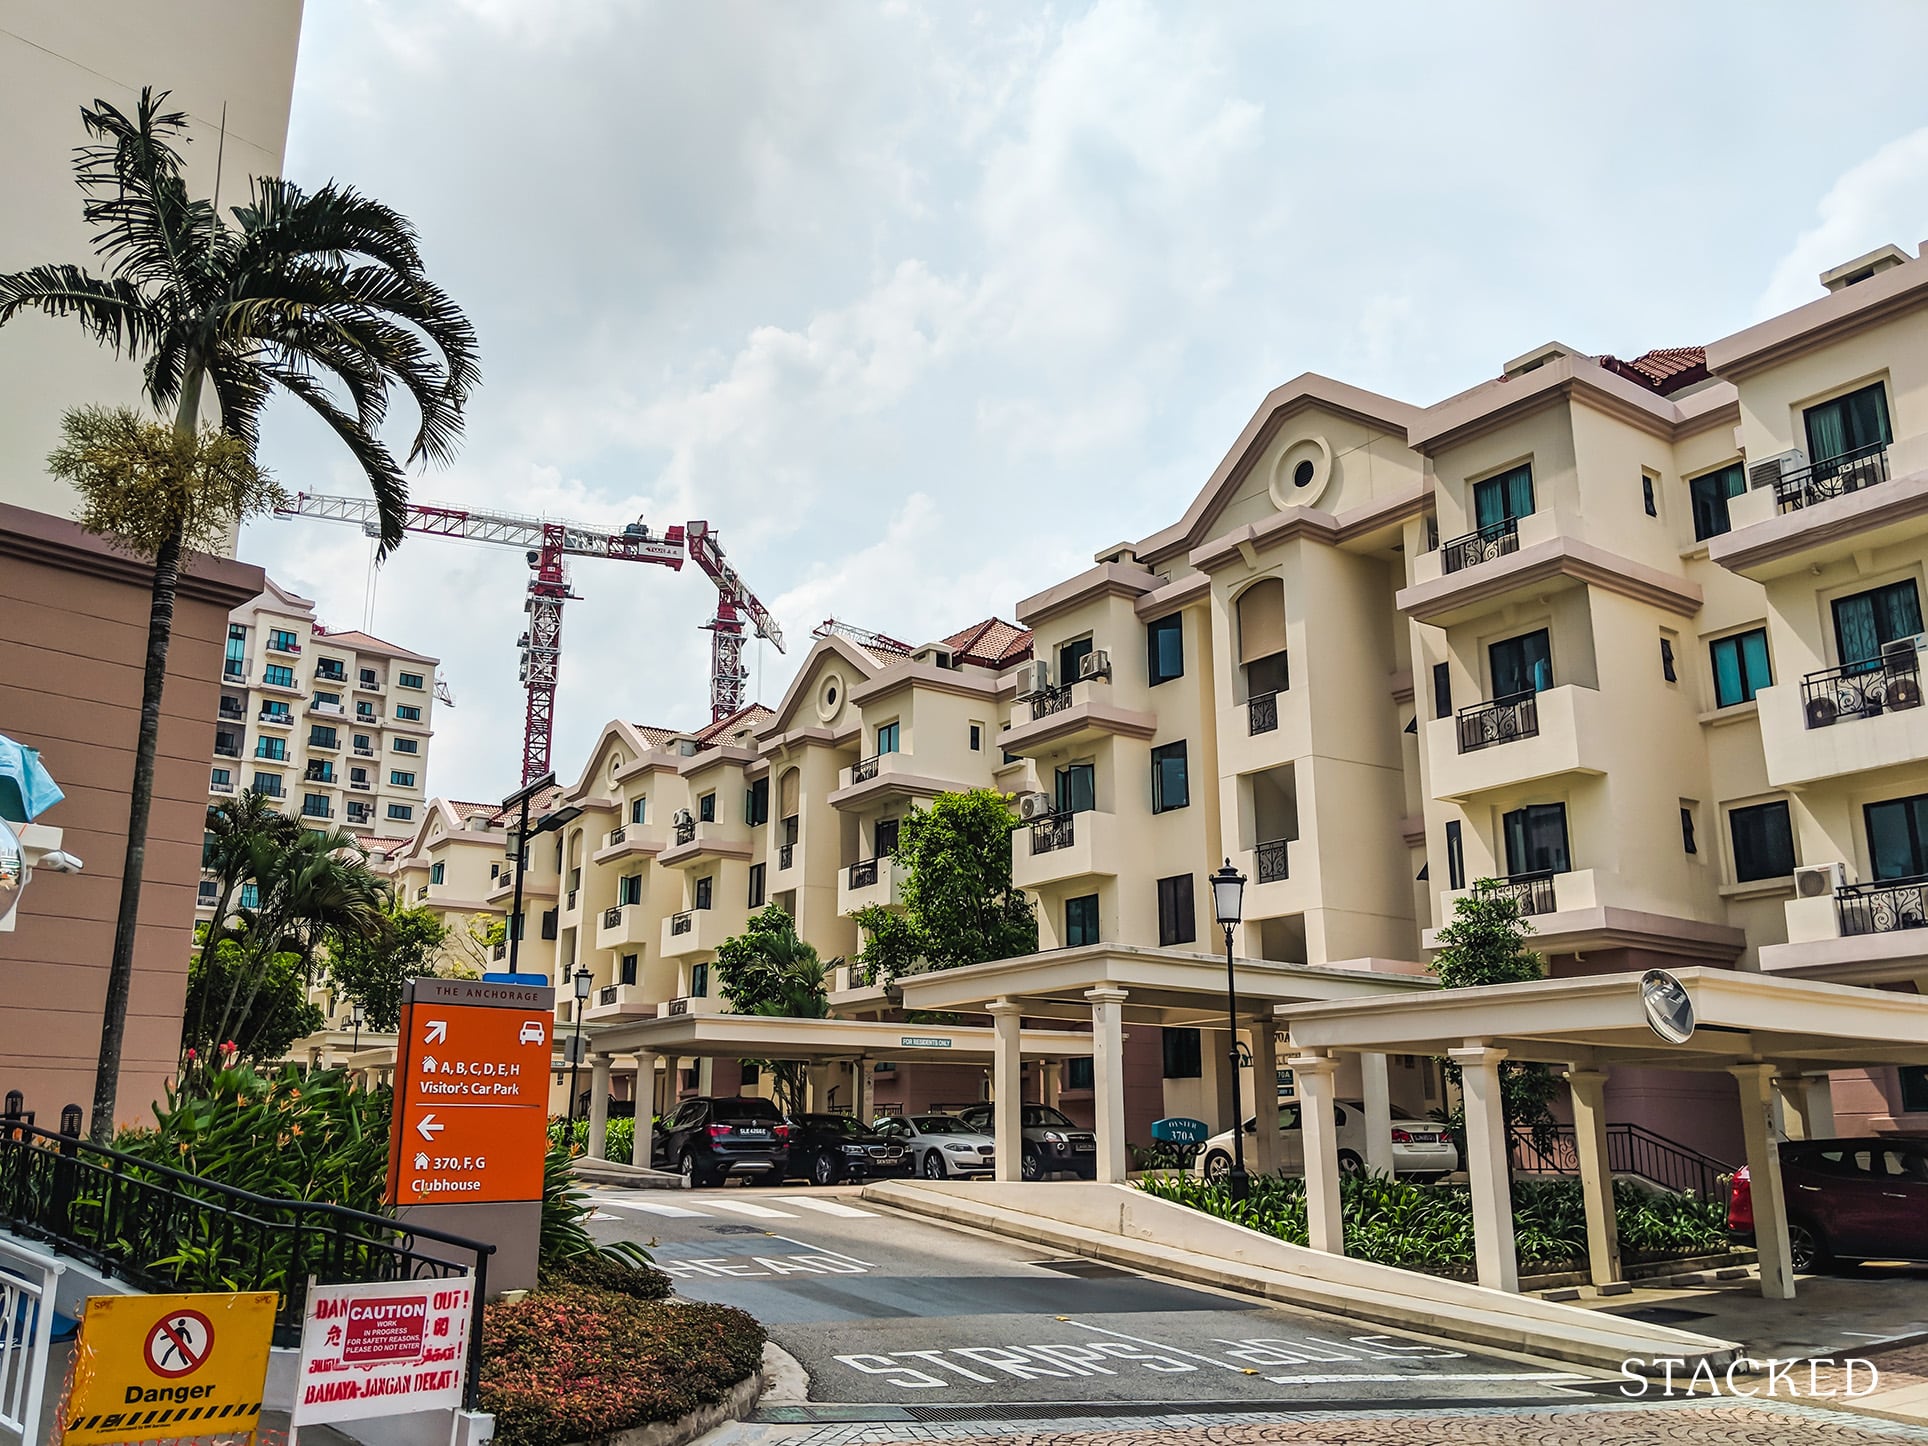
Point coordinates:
pixel 146 226
pixel 385 478
pixel 115 311
pixel 285 222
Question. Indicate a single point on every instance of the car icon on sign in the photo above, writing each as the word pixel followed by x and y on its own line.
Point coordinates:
pixel 532 1032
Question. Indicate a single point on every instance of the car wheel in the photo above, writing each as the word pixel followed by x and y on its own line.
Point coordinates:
pixel 1350 1163
pixel 1806 1251
pixel 687 1168
pixel 935 1168
pixel 1218 1166
pixel 823 1170
pixel 1030 1166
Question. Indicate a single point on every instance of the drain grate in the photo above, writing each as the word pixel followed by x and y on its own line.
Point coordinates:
pixel 737 1230
pixel 1663 1314
pixel 1084 1269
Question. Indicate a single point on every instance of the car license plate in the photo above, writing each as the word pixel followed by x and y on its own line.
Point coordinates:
pixel 1419 1139
pixel 752 1132
pixel 1084 1147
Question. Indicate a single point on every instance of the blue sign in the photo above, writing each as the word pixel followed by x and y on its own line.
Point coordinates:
pixel 1180 1131
pixel 540 981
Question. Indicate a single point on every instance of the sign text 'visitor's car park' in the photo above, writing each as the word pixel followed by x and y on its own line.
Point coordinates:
pixel 152 1366
pixel 383 1349
pixel 472 1090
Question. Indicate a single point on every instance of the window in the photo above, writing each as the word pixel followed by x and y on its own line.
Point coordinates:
pixel 278 675
pixel 1521 665
pixel 320 737
pixel 756 803
pixel 706 807
pixel 1848 424
pixel 977 737
pixel 629 889
pixel 1177 921
pixel 401 812
pixel 221 778
pixel 437 872
pixel 1740 667
pixel 250 895
pixel 364 744
pixel 408 713
pixel 1077 787
pixel 1647 494
pixel 699 981
pixel 268 784
pixel 1165 649
pixel 705 892
pixel 626 971
pixel 1071 658
pixel 281 640
pixel 276 711
pixel 406 745
pixel 365 711
pixel 358 775
pixel 399 779
pixel 1081 921
pixel 1898 837
pixel 1914 1089
pixel 638 810
pixel 885 837
pixel 271 748
pixel 1865 621
pixel 369 679
pixel 1455 856
pixel 887 737
pixel 315 805
pixel 1711 492
pixel 409 680
pixel 1687 829
pixel 1442 690
pixel 1763 842
pixel 236 663
pixel 1507 496
pixel 757 877
pixel 1170 787
pixel 1184 1056
pixel 327 700
pixel 1077 1072
pixel 1536 840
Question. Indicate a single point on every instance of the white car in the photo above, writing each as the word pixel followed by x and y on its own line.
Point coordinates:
pixel 940 1147
pixel 1419 1147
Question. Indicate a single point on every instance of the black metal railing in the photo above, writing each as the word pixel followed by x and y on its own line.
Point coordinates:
pixel 1504 720
pixel 322 675
pixel 1886 906
pixel 785 855
pixel 1496 539
pixel 682 923
pixel 616 835
pixel 1050 700
pixel 1534 891
pixel 606 994
pixel 863 873
pixel 499 952
pixel 864 769
pixel 235 713
pixel 1832 477
pixel 1271 861
pixel 1862 690
pixel 613 916
pixel 308 811
pixel 686 832
pixel 1052 832
pixel 229 752
pixel 1631 1150
pixel 118 1212
pixel 1261 713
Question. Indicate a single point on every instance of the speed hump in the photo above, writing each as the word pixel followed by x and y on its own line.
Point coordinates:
pixel 149 1366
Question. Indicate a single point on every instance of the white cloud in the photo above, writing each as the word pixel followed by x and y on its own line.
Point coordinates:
pixel 1876 201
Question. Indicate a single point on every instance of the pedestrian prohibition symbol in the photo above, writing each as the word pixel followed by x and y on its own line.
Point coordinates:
pixel 178 1344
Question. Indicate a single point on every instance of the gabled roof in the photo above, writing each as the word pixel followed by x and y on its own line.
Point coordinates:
pixel 805 682
pixel 741 726
pixel 466 811
pixel 1665 370
pixel 992 643
pixel 367 643
pixel 656 737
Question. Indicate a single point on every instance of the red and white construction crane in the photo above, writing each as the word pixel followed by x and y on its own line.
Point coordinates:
pixel 546 543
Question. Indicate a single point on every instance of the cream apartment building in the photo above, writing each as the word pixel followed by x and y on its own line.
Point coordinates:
pixel 1638 637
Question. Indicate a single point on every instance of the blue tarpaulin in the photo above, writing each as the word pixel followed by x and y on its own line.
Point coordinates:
pixel 26 788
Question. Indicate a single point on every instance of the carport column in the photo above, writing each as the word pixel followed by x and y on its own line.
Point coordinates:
pixel 1493 1249
pixel 1007 1073
pixel 645 1146
pixel 1596 1177
pixel 1764 1177
pixel 1325 1223
pixel 1377 1096
pixel 1053 1081
pixel 598 1105
pixel 1108 1081
pixel 1812 1098
pixel 863 1081
pixel 1266 1154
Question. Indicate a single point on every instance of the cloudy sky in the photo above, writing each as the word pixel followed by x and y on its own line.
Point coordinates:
pixel 923 304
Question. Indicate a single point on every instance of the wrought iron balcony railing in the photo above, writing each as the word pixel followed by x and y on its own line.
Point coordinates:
pixel 613 916
pixel 1052 832
pixel 1534 891
pixel 1262 713
pixel 686 832
pixel 1862 690
pixel 1504 720
pixel 1049 701
pixel 864 769
pixel 786 855
pixel 1272 860
pixel 682 923
pixel 863 873
pixel 1883 907
pixel 616 835
pixel 1496 539
pixel 1832 477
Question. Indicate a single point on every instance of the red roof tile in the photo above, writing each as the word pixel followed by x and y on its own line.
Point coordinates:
pixel 992 643
pixel 1664 370
pixel 743 719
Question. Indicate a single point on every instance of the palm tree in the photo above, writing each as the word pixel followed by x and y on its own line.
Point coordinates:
pixel 320 295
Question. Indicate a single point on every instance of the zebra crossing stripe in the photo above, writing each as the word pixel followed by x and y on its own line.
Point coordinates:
pixel 744 1207
pixel 828 1207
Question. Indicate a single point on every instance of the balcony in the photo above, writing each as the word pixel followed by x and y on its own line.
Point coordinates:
pixel 361 752
pixel 1265 730
pixel 884 775
pixel 318 744
pixel 622 926
pixel 319 775
pixel 327 675
pixel 360 815
pixel 327 710
pixel 231 750
pixel 291 648
pixel 691 1004
pixel 701 841
pixel 368 683
pixel 1072 714
pixel 620 1001
pixel 1858 934
pixel 1277 888
pixel 1486 544
pixel 1823 481
pixel 1822 513
pixel 1862 690
pixel 626 840
pixel 694 931
pixel 234 672
pixel 232 711
pixel 1517 740
pixel 291 687
pixel 275 718
pixel 1526 558
pixel 1844 721
pixel 309 810
pixel 1261 714
pixel 869 883
pixel 367 715
pixel 221 786
pixel 786 857
pixel 361 785
pixel 1064 846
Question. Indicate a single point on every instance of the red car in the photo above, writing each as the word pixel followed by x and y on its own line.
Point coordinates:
pixel 1847 1200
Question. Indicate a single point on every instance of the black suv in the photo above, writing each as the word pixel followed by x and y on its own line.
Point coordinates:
pixel 1052 1144
pixel 829 1148
pixel 705 1139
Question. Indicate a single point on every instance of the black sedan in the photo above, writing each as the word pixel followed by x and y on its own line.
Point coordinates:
pixel 830 1148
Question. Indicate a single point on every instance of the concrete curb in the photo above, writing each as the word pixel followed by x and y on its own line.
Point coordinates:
pixel 785 1382
pixel 1124 1226
pixel 634 1177
pixel 739 1403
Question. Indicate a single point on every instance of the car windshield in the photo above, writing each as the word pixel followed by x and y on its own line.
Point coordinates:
pixel 1043 1116
pixel 835 1124
pixel 941 1125
pixel 752 1110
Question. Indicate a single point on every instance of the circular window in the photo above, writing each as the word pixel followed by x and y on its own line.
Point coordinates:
pixel 1303 474
pixel 830 695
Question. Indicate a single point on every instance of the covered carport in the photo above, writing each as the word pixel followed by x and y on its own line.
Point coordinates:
pixel 1770 1034
pixel 861 1042
pixel 1110 986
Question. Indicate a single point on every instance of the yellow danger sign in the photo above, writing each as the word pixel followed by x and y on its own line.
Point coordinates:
pixel 150 1366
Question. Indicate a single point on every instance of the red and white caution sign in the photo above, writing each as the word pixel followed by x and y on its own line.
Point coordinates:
pixel 179 1344
pixel 383 1350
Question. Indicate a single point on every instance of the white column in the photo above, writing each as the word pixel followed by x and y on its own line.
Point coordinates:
pixel 1493 1249
pixel 865 1081
pixel 1108 1081
pixel 1809 1100
pixel 646 1109
pixel 1267 1155
pixel 1764 1177
pixel 1377 1098
pixel 598 1105
pixel 1319 1130
pixel 1053 1081
pixel 1596 1178
pixel 1007 1069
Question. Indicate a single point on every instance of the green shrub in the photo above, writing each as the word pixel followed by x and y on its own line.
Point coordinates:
pixel 610 1270
pixel 573 1363
pixel 619 1138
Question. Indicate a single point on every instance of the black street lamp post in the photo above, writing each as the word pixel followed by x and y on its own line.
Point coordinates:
pixel 1228 897
pixel 354 1018
pixel 582 982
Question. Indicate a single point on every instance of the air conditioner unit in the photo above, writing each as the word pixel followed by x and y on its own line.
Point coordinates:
pixel 1034 677
pixel 1034 805
pixel 1904 651
pixel 1818 881
pixel 684 818
pixel 1769 471
pixel 1095 664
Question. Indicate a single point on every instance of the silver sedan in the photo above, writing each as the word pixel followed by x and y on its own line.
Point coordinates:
pixel 940 1147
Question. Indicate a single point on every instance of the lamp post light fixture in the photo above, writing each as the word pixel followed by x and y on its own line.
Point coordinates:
pixel 519 800
pixel 1228 902
pixel 582 981
pixel 354 1018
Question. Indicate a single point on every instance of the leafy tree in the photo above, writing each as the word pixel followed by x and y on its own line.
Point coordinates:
pixel 959 906
pixel 320 295
pixel 476 942
pixel 278 1011
pixel 373 969
pixel 1485 943
pixel 769 969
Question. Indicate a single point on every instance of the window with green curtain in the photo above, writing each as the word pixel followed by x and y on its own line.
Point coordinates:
pixel 1847 424
pixel 1711 492
pixel 1509 495
pixel 1898 837
pixel 629 889
pixel 1740 667
pixel 1521 665
pixel 438 872
pixel 1866 620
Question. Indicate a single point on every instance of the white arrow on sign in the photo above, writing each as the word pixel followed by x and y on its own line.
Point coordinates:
pixel 428 1129
pixel 438 1030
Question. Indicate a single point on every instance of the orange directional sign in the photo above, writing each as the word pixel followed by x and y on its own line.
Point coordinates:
pixel 471 1093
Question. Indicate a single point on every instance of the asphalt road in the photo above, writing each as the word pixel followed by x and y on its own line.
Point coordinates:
pixel 888 1309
